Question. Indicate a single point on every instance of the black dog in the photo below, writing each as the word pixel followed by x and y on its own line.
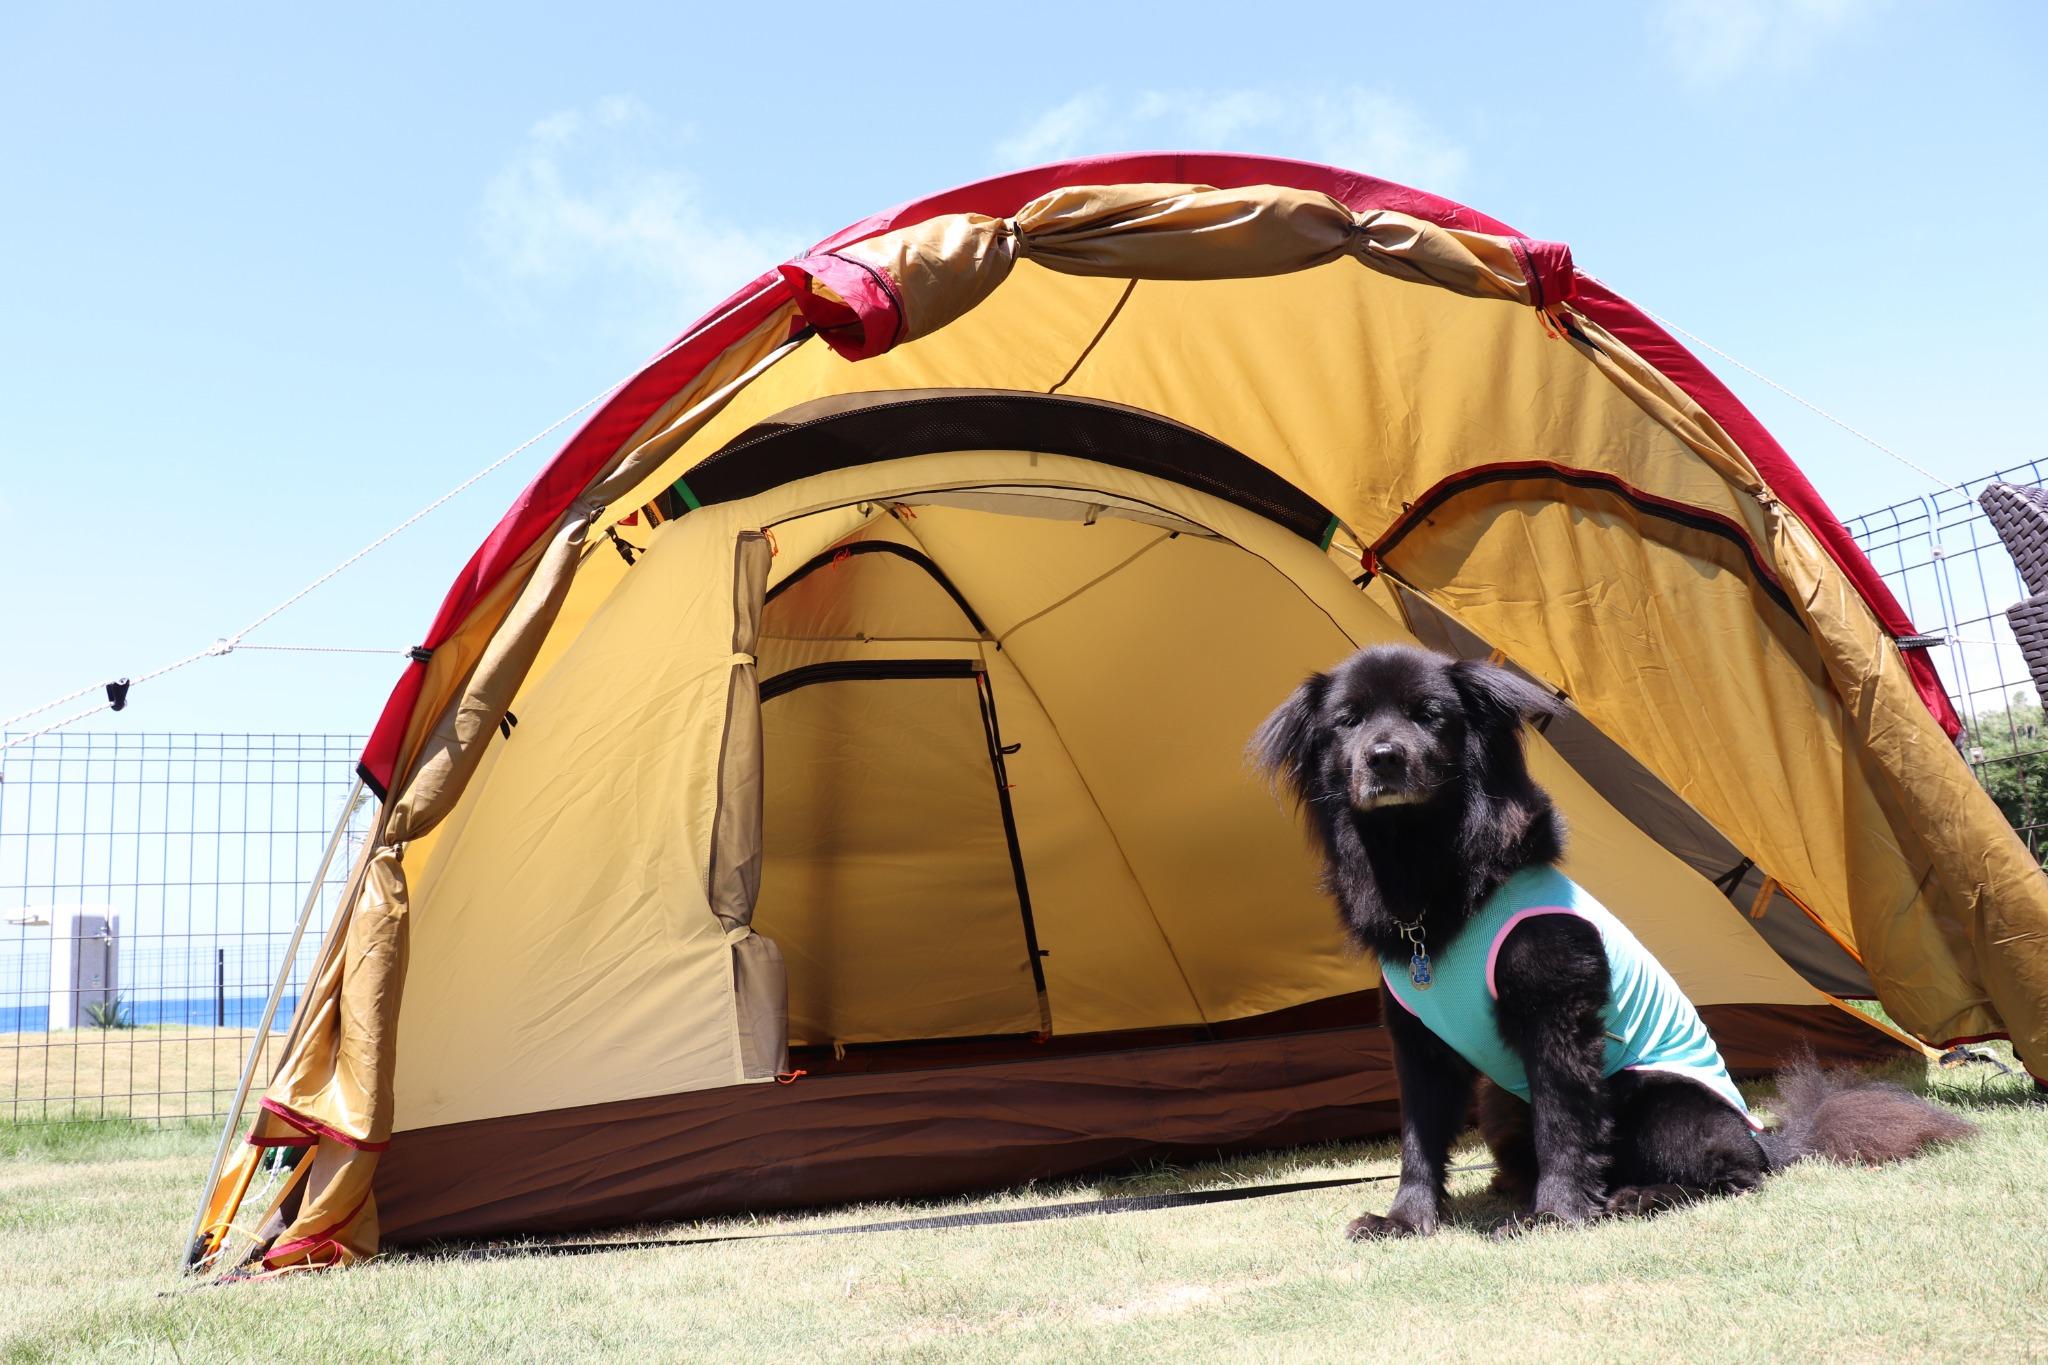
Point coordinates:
pixel 1410 770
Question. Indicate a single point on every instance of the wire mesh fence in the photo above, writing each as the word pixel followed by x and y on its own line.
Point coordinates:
pixel 1955 578
pixel 149 886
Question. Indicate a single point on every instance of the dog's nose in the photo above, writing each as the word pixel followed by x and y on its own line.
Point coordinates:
pixel 1382 758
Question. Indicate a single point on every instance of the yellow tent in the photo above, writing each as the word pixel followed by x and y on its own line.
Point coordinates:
pixel 827 782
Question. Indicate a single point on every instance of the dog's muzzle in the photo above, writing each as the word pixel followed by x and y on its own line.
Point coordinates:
pixel 1383 777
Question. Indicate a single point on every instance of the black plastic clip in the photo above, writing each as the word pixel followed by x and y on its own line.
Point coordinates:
pixel 117 694
pixel 1009 749
pixel 419 654
pixel 506 722
pixel 625 550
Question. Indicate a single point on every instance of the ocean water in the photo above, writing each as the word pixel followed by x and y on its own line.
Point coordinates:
pixel 243 1011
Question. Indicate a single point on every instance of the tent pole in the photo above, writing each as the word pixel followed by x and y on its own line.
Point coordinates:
pixel 256 1043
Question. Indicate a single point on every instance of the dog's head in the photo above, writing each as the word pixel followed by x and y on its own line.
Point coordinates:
pixel 1397 727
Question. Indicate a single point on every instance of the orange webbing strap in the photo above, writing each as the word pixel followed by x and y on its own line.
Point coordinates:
pixel 228 1193
pixel 1764 894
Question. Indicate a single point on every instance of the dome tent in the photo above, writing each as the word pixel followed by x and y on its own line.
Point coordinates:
pixel 882 656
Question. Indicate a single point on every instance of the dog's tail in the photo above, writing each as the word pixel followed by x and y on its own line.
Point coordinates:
pixel 1840 1116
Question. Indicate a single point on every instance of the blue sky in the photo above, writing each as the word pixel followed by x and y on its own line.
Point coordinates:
pixel 271 279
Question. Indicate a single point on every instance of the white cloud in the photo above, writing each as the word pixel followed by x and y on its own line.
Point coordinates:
pixel 1055 133
pixel 1709 42
pixel 592 203
pixel 1350 126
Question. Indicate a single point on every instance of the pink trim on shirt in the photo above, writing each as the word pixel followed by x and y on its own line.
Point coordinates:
pixel 1387 985
pixel 1493 951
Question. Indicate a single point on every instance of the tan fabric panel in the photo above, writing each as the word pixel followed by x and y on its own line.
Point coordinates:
pixel 760 979
pixel 761 998
pixel 1178 773
pixel 736 824
pixel 571 952
pixel 1014 568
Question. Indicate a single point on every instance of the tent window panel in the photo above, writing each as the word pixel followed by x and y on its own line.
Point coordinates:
pixel 888 879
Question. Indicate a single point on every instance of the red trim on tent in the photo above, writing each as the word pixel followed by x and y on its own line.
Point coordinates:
pixel 303 1245
pixel 867 317
pixel 1553 279
pixel 314 1128
pixel 572 469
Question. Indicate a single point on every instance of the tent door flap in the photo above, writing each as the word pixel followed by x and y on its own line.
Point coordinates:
pixel 893 875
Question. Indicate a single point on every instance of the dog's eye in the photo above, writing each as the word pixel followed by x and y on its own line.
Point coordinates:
pixel 1348 717
pixel 1426 713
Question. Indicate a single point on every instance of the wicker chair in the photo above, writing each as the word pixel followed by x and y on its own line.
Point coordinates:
pixel 2020 515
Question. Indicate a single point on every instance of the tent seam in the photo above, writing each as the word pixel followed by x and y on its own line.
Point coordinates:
pixel 1091 584
pixel 1096 340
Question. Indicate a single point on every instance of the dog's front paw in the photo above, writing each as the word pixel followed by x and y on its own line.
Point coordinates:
pixel 1567 1209
pixel 1640 1201
pixel 1554 1213
pixel 1370 1227
pixel 1515 1225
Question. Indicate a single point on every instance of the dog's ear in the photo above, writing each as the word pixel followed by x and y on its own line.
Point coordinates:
pixel 1285 746
pixel 1498 696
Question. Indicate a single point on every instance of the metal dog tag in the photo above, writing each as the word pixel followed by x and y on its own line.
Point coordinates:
pixel 1420 972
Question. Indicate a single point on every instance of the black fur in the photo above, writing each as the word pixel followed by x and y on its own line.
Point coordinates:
pixel 1409 769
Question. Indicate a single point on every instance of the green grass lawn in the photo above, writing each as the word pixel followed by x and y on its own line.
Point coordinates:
pixel 1945 1258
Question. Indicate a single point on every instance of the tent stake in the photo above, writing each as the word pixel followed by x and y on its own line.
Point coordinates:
pixel 256 1044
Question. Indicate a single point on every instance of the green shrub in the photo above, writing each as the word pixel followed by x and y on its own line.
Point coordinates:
pixel 2008 750
pixel 109 1013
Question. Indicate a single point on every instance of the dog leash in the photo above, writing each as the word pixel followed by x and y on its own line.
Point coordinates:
pixel 1082 1208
